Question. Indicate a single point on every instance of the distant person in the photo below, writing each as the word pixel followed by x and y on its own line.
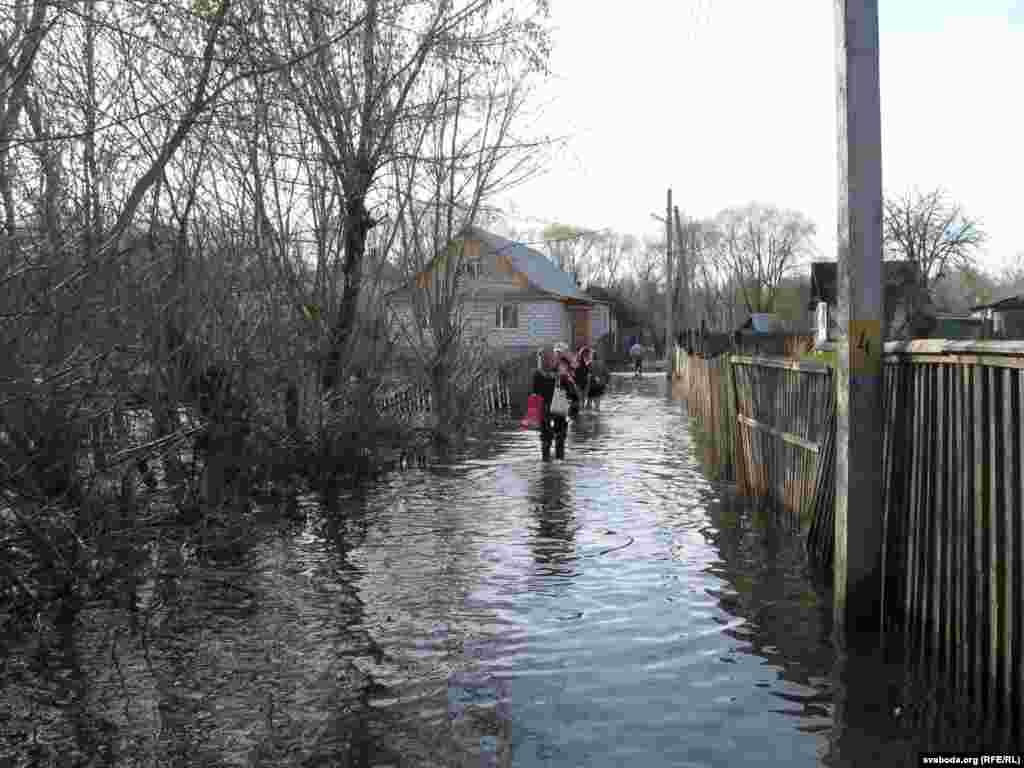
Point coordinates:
pixel 637 353
pixel 553 374
pixel 597 382
pixel 581 373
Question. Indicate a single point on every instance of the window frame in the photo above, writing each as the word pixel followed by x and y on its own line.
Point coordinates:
pixel 499 316
pixel 470 269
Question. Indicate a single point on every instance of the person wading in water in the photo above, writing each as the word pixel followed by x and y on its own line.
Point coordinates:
pixel 637 353
pixel 553 376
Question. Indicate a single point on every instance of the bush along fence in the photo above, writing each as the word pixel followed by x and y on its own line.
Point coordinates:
pixel 953 484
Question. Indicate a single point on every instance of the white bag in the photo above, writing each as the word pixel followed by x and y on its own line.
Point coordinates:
pixel 559 402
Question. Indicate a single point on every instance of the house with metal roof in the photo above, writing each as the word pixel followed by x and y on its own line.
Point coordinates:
pixel 513 295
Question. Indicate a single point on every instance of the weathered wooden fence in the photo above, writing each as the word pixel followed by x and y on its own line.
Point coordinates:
pixel 707 386
pixel 782 408
pixel 414 400
pixel 954 513
pixel 953 486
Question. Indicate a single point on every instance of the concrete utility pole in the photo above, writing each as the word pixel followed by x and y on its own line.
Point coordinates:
pixel 669 336
pixel 858 510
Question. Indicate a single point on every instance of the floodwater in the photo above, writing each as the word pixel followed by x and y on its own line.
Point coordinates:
pixel 610 609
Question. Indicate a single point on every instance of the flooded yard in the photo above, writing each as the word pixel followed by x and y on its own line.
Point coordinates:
pixel 612 608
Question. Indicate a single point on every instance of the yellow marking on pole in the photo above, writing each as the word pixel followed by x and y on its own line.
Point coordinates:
pixel 865 347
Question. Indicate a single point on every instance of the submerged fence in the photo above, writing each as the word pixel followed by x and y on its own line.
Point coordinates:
pixel 707 386
pixel 953 460
pixel 782 409
pixel 953 485
pixel 496 394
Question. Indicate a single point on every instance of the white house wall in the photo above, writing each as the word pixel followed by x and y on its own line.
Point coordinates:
pixel 541 322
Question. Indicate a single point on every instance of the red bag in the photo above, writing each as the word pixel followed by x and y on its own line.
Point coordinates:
pixel 534 409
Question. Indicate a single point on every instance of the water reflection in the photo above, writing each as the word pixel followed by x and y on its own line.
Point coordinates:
pixel 553 539
pixel 610 609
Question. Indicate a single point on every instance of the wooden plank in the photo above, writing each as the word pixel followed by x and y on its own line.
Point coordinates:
pixel 994 472
pixel 928 533
pixel 1018 554
pixel 946 523
pixel 805 366
pixel 992 361
pixel 958 532
pixel 940 346
pixel 1011 510
pixel 886 440
pixel 980 489
pixel 785 436
pixel 911 611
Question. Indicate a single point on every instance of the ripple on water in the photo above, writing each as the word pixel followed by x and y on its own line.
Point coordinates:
pixel 610 609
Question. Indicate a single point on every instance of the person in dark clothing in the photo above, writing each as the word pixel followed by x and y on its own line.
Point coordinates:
pixel 584 374
pixel 637 353
pixel 597 380
pixel 581 373
pixel 554 372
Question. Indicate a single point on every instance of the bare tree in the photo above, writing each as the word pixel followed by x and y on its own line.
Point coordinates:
pixel 759 245
pixel 573 248
pixel 460 157
pixel 932 232
pixel 355 98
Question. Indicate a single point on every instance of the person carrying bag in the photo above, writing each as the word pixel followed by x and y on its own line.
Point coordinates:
pixel 558 390
pixel 559 402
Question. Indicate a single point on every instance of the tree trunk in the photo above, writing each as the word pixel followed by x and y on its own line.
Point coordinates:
pixel 357 224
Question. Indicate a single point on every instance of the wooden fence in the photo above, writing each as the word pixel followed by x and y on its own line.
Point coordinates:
pixel 782 408
pixel 707 386
pixel 413 400
pixel 954 512
pixel 953 491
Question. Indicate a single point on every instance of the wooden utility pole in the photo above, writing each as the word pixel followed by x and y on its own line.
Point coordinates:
pixel 858 510
pixel 682 272
pixel 669 336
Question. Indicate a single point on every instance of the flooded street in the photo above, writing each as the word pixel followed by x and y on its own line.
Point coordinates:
pixel 612 608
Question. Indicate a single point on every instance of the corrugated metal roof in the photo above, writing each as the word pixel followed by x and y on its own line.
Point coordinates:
pixel 542 273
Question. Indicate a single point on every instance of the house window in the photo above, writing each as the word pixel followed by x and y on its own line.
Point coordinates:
pixel 470 269
pixel 506 316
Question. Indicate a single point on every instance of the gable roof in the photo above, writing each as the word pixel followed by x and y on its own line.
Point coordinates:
pixel 542 273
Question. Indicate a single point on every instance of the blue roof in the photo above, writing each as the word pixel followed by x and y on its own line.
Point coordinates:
pixel 542 273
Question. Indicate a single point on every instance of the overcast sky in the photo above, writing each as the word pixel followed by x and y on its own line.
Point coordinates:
pixel 730 101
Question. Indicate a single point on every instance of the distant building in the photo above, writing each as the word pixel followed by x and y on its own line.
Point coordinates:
pixel 1004 318
pixel 958 325
pixel 513 296
pixel 902 295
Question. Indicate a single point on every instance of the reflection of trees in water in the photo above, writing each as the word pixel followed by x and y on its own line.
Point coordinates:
pixel 244 658
pixel 553 542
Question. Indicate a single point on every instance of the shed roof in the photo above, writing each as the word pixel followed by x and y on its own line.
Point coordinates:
pixel 1009 303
